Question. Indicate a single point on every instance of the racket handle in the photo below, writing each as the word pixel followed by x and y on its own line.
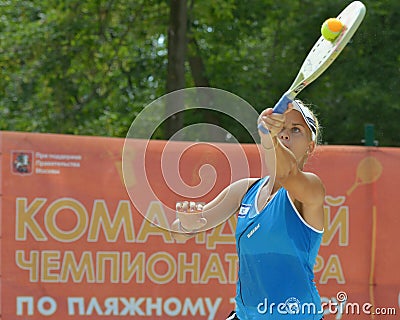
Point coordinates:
pixel 282 104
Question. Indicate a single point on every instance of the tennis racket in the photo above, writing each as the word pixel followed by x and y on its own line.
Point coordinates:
pixel 323 53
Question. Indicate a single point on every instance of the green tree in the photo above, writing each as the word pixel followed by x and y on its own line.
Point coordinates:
pixel 81 67
pixel 89 67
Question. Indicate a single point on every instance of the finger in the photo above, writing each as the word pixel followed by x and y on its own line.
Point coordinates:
pixel 273 127
pixel 185 206
pixel 289 108
pixel 273 121
pixel 192 206
pixel 199 207
pixel 270 126
pixel 265 113
pixel 178 206
pixel 276 116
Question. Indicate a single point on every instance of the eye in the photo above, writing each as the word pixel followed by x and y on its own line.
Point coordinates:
pixel 296 130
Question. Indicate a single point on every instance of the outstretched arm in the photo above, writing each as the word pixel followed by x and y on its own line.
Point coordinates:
pixel 215 212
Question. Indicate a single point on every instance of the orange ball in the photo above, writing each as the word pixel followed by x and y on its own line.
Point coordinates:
pixel 331 29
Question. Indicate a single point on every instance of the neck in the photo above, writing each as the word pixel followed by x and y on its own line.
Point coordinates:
pixel 276 187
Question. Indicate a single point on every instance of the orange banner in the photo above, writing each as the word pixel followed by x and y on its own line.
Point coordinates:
pixel 75 244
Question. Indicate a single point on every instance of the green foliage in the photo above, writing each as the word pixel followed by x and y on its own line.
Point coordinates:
pixel 81 67
pixel 89 67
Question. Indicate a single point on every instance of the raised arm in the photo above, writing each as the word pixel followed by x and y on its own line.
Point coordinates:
pixel 288 144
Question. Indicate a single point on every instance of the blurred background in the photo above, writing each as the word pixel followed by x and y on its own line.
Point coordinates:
pixel 89 67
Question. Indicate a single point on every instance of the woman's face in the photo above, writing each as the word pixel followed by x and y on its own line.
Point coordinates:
pixel 296 136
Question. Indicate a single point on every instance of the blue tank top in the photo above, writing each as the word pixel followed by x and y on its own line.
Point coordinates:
pixel 277 251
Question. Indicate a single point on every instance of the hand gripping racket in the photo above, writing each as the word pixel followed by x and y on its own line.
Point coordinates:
pixel 323 53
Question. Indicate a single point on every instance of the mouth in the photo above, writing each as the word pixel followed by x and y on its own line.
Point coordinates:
pixel 285 144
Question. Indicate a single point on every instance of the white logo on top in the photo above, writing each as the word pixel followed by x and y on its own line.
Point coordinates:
pixel 244 210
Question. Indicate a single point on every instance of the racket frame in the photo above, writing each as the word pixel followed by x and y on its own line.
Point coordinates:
pixel 323 53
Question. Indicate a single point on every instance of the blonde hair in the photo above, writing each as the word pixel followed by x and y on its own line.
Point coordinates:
pixel 318 128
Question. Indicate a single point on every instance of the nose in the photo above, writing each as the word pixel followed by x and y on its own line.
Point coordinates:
pixel 284 135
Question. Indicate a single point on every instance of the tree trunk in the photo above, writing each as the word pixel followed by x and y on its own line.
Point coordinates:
pixel 177 47
pixel 200 78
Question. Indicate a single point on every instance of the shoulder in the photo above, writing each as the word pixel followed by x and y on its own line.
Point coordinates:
pixel 316 187
pixel 310 200
pixel 234 193
pixel 241 186
pixel 305 187
pixel 245 182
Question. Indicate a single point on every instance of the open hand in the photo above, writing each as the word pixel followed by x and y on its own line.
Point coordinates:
pixel 190 215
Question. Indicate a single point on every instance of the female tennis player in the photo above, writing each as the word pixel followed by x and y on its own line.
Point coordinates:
pixel 279 232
